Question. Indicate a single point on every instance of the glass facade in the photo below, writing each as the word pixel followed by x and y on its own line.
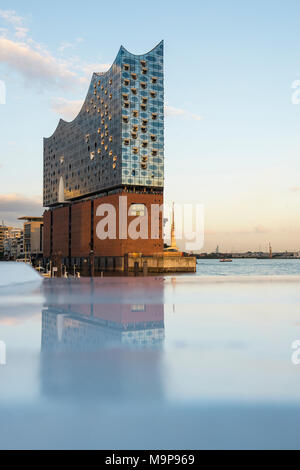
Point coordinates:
pixel 117 139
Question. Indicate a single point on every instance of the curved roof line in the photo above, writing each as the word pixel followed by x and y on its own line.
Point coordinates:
pixel 62 122
pixel 146 53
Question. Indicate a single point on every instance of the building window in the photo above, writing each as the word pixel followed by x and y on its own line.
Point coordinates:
pixel 135 150
pixel 126 142
pixel 154 116
pixel 143 107
pixel 153 94
pixel 135 113
pixel 134 91
pixel 144 71
pixel 134 76
pixel 125 119
pixel 145 122
pixel 154 153
pixel 144 158
pixel 144 166
pixel 125 96
pixel 134 135
pixel 143 85
pixel 126 104
pixel 153 138
pixel 126 81
pixel 144 144
pixel 143 63
pixel 126 67
pixel 154 79
pixel 137 210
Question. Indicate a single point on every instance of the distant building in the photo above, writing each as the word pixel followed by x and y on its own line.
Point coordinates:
pixel 4 230
pixel 13 244
pixel 33 237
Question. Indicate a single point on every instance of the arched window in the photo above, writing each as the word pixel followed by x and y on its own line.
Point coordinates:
pixel 137 210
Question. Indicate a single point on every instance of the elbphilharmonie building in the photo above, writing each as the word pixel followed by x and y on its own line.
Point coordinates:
pixel 113 148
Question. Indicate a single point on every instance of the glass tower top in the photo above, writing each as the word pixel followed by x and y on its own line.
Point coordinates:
pixel 117 139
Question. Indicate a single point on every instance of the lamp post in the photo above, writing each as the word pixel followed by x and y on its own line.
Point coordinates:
pixel 92 259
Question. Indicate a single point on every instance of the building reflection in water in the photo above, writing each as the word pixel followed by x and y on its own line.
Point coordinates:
pixel 103 338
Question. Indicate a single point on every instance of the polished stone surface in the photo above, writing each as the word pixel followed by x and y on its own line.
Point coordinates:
pixel 165 363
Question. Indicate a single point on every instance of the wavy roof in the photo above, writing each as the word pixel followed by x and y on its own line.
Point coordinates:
pixel 62 122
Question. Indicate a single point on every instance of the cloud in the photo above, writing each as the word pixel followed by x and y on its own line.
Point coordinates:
pixel 67 109
pixel 65 45
pixel 13 206
pixel 11 17
pixel 178 112
pixel 68 45
pixel 21 32
pixel 260 229
pixel 3 32
pixel 34 65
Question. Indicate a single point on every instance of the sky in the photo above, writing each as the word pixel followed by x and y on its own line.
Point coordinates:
pixel 232 115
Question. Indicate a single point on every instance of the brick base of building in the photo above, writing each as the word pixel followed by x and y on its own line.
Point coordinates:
pixel 71 236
